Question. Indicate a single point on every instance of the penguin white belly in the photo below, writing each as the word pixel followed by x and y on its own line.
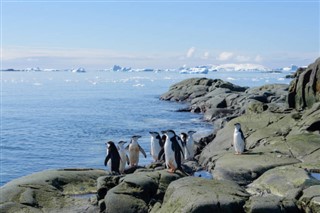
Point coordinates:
pixel 122 161
pixel 134 155
pixel 189 152
pixel 238 142
pixel 182 148
pixel 155 149
pixel 170 158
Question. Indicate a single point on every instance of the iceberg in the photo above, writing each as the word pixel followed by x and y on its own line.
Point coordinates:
pixel 33 69
pixel 241 67
pixel 78 70
pixel 292 68
pixel 117 68
pixel 194 70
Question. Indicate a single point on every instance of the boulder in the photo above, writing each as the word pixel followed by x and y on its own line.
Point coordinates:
pixel 304 90
pixel 310 199
pixel 245 168
pixel 193 194
pixel 270 203
pixel 287 181
pixel 51 190
pixel 137 191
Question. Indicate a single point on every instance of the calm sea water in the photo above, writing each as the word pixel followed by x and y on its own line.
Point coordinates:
pixel 62 119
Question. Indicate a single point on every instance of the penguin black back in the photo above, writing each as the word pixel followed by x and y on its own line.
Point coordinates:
pixel 114 156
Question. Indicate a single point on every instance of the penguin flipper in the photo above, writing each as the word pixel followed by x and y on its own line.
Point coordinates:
pixel 177 150
pixel 127 147
pixel 161 153
pixel 127 159
pixel 106 159
pixel 142 151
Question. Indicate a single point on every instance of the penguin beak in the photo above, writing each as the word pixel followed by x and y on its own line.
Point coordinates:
pixel 163 132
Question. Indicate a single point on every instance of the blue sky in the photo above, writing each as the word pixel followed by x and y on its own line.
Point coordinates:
pixel 158 34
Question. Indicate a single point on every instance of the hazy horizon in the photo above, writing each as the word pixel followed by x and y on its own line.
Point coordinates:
pixel 158 34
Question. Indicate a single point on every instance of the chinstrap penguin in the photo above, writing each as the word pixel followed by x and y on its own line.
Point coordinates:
pixel 156 145
pixel 238 139
pixel 113 158
pixel 123 155
pixel 172 151
pixel 188 148
pixel 134 149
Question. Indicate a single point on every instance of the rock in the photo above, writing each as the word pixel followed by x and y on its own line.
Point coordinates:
pixel 310 199
pixel 270 203
pixel 284 181
pixel 245 168
pixel 105 183
pixel 192 194
pixel 193 88
pixel 304 90
pixel 51 190
pixel 138 190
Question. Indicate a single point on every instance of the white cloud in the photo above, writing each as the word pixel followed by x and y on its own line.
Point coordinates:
pixel 206 55
pixel 225 56
pixel 242 58
pixel 258 58
pixel 190 52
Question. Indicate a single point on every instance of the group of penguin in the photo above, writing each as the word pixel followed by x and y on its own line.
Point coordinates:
pixel 170 148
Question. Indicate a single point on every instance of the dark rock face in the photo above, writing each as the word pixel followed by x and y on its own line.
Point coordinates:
pixel 222 101
pixel 304 90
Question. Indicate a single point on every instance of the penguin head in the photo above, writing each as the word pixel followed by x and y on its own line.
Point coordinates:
pixel 169 133
pixel 237 126
pixel 191 132
pixel 183 136
pixel 154 134
pixel 111 145
pixel 135 138
pixel 121 143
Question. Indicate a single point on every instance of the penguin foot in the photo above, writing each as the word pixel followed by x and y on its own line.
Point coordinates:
pixel 170 170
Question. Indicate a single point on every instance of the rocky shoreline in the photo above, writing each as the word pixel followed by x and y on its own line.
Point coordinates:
pixel 281 124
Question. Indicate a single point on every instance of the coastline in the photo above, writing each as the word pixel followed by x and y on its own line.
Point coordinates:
pixel 281 128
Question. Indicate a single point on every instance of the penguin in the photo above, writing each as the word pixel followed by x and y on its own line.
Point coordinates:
pixel 123 155
pixel 156 145
pixel 134 149
pixel 183 137
pixel 113 156
pixel 172 151
pixel 238 139
pixel 188 148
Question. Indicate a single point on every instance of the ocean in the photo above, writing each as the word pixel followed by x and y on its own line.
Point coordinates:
pixel 53 120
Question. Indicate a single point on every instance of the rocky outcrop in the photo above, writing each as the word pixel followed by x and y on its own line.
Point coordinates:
pixel 138 192
pixel 221 101
pixel 191 194
pixel 283 144
pixel 53 190
pixel 304 90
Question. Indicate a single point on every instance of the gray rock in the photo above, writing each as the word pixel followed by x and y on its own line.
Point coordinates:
pixel 138 190
pixel 245 168
pixel 304 90
pixel 310 200
pixel 51 190
pixel 270 203
pixel 192 194
pixel 282 181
